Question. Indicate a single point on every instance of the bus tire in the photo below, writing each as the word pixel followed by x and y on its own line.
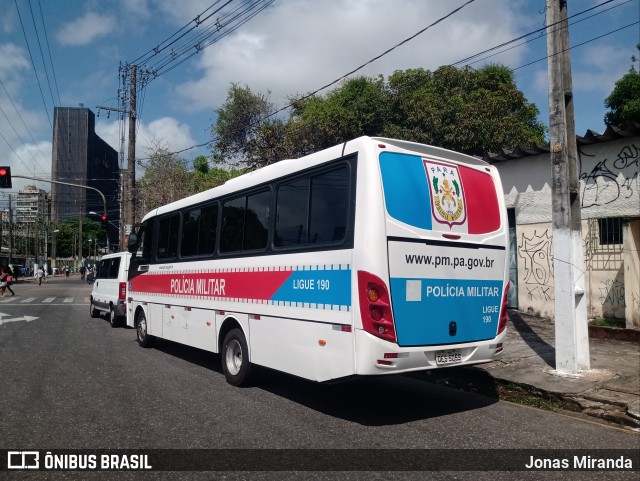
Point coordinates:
pixel 95 313
pixel 235 358
pixel 142 331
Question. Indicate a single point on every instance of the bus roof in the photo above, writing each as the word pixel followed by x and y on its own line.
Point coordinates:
pixel 286 166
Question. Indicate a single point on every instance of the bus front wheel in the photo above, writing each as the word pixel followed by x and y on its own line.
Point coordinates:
pixel 235 358
pixel 142 334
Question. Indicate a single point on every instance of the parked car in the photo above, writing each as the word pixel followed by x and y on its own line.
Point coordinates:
pixel 108 295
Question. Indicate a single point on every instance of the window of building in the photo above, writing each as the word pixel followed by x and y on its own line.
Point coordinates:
pixel 610 230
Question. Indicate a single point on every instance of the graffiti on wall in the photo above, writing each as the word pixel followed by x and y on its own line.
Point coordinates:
pixel 536 251
pixel 612 293
pixel 609 179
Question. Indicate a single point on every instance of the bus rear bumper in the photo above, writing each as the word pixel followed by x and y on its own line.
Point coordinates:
pixel 375 356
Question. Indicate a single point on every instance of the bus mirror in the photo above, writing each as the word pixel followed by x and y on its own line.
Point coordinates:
pixel 132 245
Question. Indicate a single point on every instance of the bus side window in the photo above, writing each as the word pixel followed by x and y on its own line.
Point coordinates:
pixel 292 214
pixel 168 237
pixel 256 222
pixel 329 206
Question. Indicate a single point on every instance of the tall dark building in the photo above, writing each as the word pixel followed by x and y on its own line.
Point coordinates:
pixel 81 157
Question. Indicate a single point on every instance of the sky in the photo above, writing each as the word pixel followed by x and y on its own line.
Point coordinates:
pixel 67 53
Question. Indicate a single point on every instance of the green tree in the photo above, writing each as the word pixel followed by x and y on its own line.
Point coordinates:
pixel 166 179
pixel 67 236
pixel 467 110
pixel 358 107
pixel 624 101
pixel 243 133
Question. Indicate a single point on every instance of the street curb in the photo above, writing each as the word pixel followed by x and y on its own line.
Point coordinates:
pixel 478 381
pixel 614 334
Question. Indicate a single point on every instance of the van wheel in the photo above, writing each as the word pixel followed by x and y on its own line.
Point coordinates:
pixel 235 358
pixel 113 320
pixel 93 311
pixel 144 338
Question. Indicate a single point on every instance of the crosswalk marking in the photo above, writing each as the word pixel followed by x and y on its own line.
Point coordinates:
pixel 47 300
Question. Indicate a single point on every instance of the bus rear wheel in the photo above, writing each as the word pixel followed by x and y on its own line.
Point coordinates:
pixel 235 358
pixel 142 334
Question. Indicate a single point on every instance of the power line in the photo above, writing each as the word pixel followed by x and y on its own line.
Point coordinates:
pixel 542 31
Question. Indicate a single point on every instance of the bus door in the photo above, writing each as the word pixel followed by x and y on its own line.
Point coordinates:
pixel 447 247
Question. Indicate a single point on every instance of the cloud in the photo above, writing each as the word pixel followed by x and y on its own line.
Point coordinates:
pixel 27 160
pixel 83 30
pixel 12 62
pixel 297 46
pixel 169 132
pixel 599 67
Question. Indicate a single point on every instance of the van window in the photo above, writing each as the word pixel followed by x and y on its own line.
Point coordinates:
pixel 114 267
pixel 103 269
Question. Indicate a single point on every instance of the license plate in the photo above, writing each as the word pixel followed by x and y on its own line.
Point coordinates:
pixel 450 356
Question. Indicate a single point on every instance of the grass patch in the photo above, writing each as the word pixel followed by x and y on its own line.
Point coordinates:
pixel 608 322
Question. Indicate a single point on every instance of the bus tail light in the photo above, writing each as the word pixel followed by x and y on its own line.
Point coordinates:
pixel 375 307
pixel 122 291
pixel 502 322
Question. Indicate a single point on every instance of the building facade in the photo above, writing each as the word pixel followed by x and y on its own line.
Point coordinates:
pixel 610 199
pixel 79 156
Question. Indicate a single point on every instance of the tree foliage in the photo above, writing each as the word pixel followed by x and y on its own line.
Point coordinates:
pixel 468 110
pixel 67 236
pixel 624 101
pixel 167 178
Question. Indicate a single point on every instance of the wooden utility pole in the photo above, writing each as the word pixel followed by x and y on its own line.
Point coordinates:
pixel 129 199
pixel 572 339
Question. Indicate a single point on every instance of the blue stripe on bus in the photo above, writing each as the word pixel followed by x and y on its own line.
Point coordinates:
pixel 328 287
pixel 406 189
pixel 424 318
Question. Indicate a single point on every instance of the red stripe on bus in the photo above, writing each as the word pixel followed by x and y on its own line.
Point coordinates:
pixel 260 285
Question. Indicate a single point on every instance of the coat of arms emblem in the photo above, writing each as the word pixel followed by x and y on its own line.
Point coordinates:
pixel 447 197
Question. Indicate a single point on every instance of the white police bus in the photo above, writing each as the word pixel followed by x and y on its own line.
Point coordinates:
pixel 376 256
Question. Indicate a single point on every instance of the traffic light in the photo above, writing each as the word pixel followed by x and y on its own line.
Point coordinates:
pixel 5 177
pixel 104 221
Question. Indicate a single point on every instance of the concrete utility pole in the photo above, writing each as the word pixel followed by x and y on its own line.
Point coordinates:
pixel 129 218
pixel 572 337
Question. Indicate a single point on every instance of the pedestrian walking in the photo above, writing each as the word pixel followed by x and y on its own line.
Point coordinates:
pixel 8 279
pixel 40 275
pixel 3 281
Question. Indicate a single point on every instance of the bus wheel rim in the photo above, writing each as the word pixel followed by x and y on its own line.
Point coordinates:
pixel 142 329
pixel 234 357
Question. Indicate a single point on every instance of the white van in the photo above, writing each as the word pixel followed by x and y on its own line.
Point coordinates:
pixel 110 288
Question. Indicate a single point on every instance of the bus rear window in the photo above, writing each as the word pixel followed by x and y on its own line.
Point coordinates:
pixel 439 195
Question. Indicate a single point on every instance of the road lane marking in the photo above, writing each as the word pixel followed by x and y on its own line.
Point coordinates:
pixel 11 299
pixel 69 299
pixel 28 299
pixel 49 299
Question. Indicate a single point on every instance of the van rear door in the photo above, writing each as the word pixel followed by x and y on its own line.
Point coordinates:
pixel 447 245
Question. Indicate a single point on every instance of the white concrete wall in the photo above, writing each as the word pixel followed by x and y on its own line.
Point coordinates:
pixel 609 187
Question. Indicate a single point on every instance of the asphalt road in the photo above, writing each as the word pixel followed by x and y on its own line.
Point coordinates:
pixel 72 382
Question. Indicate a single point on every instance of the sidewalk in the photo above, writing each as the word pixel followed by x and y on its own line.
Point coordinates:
pixel 609 390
